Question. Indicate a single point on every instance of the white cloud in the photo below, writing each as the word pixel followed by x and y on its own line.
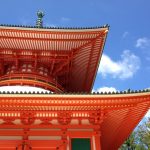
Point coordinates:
pixel 147 114
pixel 105 89
pixel 21 89
pixel 125 34
pixel 143 43
pixel 122 69
pixel 50 25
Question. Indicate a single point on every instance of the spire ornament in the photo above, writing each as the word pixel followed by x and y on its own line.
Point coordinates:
pixel 39 21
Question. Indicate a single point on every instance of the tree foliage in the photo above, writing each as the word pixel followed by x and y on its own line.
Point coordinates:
pixel 139 139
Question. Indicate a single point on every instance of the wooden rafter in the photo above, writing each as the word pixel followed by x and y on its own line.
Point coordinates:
pixel 102 109
pixel 52 47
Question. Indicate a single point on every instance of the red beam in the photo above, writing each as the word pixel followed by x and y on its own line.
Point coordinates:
pixel 36 144
pixel 50 126
pixel 72 133
pixel 52 52
pixel 31 58
pixel 44 39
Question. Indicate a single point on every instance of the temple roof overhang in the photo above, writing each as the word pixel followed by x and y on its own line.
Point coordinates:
pixel 71 55
pixel 119 113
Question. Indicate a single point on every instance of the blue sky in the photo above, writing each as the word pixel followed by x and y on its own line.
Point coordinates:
pixel 126 59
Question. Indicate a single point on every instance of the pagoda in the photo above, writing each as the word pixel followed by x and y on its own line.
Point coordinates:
pixel 63 61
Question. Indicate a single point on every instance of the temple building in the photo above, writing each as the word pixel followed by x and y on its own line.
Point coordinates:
pixel 63 61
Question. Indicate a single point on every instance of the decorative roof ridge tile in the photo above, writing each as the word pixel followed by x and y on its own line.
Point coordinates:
pixel 80 93
pixel 70 28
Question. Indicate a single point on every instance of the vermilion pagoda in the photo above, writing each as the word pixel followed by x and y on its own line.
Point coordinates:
pixel 64 61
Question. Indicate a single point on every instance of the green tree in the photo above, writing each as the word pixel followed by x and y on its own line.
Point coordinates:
pixel 139 139
pixel 129 144
pixel 143 134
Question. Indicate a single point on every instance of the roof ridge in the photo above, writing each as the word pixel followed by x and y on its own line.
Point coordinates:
pixel 28 26
pixel 80 93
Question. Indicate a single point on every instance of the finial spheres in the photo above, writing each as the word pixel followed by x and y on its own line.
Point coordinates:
pixel 39 21
pixel 40 14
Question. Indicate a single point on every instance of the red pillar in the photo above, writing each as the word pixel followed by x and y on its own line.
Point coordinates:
pixel 97 142
pixel 64 139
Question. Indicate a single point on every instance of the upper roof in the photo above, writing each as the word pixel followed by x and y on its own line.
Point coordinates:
pixel 47 27
pixel 79 51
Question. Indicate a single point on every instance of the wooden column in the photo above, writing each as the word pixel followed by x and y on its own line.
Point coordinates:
pixel 97 140
pixel 64 119
pixel 96 118
pixel 64 139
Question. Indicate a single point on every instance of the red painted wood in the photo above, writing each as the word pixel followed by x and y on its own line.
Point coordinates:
pixel 60 61
pixel 65 53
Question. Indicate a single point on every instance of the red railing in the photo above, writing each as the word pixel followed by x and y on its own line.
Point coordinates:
pixel 31 79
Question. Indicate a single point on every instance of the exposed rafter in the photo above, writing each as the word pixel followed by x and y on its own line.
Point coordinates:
pixel 100 111
pixel 49 48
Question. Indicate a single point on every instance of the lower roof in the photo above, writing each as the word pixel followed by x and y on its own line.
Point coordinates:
pixel 122 112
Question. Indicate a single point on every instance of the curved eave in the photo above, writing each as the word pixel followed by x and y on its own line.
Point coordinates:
pixel 115 100
pixel 122 111
pixel 83 48
pixel 53 29
pixel 57 28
